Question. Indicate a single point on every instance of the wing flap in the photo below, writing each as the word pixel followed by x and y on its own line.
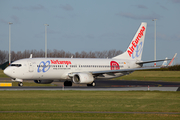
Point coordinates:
pixel 122 70
pixel 144 62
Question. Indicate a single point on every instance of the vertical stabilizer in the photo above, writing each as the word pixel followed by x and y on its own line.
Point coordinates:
pixel 165 63
pixel 30 56
pixel 170 63
pixel 135 49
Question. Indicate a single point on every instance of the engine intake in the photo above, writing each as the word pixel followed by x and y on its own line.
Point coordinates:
pixel 83 78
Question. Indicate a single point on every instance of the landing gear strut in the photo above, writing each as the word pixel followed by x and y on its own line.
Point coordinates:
pixel 92 84
pixel 20 84
pixel 67 83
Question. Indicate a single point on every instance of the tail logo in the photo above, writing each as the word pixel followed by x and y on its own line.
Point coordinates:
pixel 137 51
pixel 43 66
pixel 114 65
pixel 135 42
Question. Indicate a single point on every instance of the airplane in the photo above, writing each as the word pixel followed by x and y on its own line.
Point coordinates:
pixel 165 64
pixel 81 70
pixel 170 63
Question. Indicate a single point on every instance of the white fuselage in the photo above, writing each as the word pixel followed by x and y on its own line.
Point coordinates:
pixel 59 68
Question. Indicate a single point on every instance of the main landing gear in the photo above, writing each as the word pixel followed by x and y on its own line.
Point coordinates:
pixel 67 83
pixel 92 84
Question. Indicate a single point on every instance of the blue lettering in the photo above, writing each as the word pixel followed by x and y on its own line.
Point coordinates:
pixel 138 50
pixel 45 66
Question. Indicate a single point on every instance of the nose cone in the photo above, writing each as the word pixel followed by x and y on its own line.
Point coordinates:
pixel 8 71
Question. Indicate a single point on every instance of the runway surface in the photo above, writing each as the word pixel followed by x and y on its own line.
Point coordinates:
pixel 110 85
pixel 95 88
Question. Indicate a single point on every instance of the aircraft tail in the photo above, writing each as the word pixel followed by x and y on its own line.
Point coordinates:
pixel 165 62
pixel 135 49
pixel 172 60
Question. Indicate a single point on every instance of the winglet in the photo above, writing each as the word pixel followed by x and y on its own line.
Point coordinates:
pixel 172 60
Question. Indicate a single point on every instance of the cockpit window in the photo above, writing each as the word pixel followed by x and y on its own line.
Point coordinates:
pixel 17 65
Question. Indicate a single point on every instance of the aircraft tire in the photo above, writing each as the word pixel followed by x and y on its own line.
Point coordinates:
pixel 92 84
pixel 20 84
pixel 67 83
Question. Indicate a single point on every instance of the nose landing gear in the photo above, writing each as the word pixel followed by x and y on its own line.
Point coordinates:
pixel 20 84
pixel 18 80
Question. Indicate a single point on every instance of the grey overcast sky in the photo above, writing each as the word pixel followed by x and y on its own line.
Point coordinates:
pixel 90 25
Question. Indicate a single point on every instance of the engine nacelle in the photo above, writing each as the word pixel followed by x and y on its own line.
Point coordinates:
pixel 43 81
pixel 83 78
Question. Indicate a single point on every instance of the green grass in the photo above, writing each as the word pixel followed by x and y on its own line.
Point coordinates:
pixel 168 76
pixel 89 101
pixel 85 116
pixel 2 75
pixel 111 101
pixel 93 101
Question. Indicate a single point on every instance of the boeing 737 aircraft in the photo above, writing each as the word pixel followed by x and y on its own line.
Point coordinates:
pixel 165 64
pixel 80 70
pixel 170 63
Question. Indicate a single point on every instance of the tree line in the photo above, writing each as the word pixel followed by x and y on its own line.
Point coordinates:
pixel 4 55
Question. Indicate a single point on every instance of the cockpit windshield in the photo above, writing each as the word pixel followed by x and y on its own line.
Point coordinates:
pixel 17 65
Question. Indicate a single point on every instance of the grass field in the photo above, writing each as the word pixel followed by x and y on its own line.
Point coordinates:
pixel 2 75
pixel 143 75
pixel 75 105
pixel 89 105
pixel 168 76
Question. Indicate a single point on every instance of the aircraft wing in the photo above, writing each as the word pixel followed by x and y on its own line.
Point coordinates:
pixel 122 70
pixel 144 62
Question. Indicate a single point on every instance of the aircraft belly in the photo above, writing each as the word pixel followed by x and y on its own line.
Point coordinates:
pixel 50 75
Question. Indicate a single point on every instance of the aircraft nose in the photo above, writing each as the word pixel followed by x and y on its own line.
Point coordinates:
pixel 7 71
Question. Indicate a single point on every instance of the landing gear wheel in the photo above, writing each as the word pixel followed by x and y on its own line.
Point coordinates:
pixel 20 84
pixel 92 84
pixel 67 83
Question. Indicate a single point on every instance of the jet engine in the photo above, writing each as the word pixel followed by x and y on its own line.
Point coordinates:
pixel 83 78
pixel 43 81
